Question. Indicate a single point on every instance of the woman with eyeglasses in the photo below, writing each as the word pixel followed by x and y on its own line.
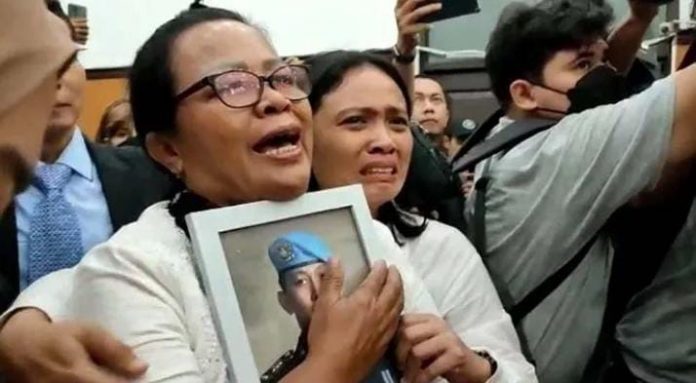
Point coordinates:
pixel 230 121
pixel 361 135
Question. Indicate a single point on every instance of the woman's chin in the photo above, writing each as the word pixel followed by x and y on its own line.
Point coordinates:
pixel 288 189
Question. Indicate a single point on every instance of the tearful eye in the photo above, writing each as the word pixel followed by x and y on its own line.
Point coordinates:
pixel 354 120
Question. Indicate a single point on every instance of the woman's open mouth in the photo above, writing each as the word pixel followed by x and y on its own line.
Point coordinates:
pixel 282 144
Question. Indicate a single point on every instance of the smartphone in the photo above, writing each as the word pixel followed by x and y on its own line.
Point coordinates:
pixel 77 11
pixel 451 9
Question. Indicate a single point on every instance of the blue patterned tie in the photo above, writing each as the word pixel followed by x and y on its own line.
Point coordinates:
pixel 55 239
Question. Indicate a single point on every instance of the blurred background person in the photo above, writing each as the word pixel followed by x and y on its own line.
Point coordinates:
pixel 431 105
pixel 456 134
pixel 80 193
pixel 116 125
pixel 29 67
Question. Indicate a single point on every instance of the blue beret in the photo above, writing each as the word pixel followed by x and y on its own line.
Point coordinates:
pixel 297 249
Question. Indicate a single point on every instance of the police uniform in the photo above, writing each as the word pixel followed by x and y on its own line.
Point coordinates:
pixel 299 249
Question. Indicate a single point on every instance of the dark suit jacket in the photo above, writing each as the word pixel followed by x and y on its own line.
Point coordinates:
pixel 130 182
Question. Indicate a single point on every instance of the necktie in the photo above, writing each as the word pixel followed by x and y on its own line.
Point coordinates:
pixel 55 239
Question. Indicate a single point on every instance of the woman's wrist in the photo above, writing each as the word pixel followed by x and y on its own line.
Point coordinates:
pixel 474 368
pixel 406 48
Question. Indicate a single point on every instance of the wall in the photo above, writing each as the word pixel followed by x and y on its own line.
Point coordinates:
pixel 99 93
pixel 297 27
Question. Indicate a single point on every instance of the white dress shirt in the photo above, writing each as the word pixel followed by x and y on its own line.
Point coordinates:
pixel 141 285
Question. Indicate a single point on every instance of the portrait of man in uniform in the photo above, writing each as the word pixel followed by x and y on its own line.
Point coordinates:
pixel 298 258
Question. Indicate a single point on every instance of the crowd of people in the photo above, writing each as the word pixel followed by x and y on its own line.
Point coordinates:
pixel 566 254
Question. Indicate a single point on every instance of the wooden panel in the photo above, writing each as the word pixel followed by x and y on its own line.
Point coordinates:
pixel 99 93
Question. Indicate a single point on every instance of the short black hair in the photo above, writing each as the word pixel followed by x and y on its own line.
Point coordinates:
pixel 527 37
pixel 151 79
pixel 327 72
pixel 448 98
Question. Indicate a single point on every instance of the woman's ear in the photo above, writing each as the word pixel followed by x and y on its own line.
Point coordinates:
pixel 163 150
pixel 521 92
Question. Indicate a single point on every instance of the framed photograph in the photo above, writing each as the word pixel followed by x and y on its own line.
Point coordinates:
pixel 259 265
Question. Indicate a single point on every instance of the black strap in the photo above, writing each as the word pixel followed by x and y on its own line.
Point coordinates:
pixel 512 135
pixel 508 138
pixel 550 284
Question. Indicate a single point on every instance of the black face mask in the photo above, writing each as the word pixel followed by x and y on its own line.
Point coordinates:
pixel 601 86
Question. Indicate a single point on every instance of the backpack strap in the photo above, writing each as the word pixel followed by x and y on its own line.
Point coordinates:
pixel 508 138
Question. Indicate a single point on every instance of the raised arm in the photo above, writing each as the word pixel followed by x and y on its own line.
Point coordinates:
pixel 408 16
pixel 626 39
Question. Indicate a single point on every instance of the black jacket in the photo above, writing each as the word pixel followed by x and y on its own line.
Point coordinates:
pixel 130 182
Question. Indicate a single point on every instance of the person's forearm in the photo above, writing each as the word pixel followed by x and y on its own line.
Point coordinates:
pixel 625 41
pixel 684 137
pixel 407 72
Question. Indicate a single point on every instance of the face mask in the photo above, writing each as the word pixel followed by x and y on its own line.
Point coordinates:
pixel 601 86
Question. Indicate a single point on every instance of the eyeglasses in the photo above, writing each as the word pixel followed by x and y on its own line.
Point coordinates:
pixel 241 89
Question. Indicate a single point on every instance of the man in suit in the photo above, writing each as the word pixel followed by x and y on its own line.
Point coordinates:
pixel 95 191
pixel 29 64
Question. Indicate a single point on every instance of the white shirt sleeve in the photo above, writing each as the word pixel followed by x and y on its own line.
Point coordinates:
pixel 465 295
pixel 48 294
pixel 138 297
pixel 472 308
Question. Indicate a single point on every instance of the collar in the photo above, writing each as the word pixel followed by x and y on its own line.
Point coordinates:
pixel 76 156
pixel 503 123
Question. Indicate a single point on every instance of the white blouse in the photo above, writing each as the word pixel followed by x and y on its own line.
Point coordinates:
pixel 141 285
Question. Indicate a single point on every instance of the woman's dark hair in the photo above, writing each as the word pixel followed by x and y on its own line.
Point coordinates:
pixel 327 72
pixel 151 78
pixel 527 37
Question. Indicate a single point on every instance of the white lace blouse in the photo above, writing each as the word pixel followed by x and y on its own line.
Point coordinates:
pixel 141 285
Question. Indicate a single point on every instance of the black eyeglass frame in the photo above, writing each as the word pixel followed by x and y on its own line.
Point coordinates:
pixel 210 81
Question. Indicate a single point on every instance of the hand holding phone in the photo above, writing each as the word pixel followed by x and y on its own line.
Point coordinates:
pixel 451 9
pixel 78 19
pixel 408 19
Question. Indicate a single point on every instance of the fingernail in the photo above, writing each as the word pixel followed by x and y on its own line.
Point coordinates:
pixel 138 365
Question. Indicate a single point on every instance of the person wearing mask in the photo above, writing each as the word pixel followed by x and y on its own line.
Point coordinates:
pixel 549 199
pixel 116 125
pixel 367 140
pixel 191 121
pixel 80 194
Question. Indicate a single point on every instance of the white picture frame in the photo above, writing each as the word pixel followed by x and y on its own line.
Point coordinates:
pixel 206 230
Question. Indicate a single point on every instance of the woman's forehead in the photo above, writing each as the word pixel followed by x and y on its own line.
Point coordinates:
pixel 215 46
